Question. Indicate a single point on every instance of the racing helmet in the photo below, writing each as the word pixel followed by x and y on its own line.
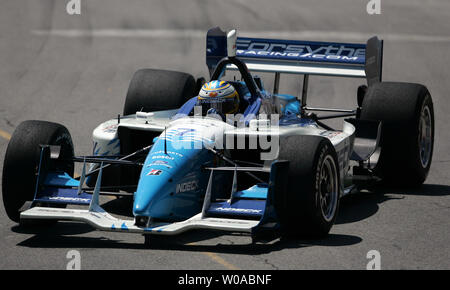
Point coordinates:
pixel 220 96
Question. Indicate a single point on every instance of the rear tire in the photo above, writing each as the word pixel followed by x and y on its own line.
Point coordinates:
pixel 311 204
pixel 22 161
pixel 407 135
pixel 156 90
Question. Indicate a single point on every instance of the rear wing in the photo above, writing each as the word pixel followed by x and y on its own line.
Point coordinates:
pixel 298 57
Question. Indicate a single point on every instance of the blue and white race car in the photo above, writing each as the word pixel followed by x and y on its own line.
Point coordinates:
pixel 270 167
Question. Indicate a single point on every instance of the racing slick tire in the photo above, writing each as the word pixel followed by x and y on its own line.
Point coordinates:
pixel 407 134
pixel 311 201
pixel 22 160
pixel 155 90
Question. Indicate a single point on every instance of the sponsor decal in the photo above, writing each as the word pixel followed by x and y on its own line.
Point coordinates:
pixel 187 186
pixel 155 172
pixel 330 134
pixel 110 128
pixel 69 199
pixel 160 162
pixel 238 210
pixel 162 157
pixel 300 50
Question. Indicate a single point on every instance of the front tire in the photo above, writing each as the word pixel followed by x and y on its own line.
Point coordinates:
pixel 312 196
pixel 22 160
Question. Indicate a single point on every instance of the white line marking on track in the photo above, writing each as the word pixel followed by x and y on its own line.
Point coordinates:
pixel 193 33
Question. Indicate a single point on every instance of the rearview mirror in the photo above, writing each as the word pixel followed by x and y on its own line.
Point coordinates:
pixel 231 43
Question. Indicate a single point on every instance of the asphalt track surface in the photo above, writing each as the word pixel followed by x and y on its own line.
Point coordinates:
pixel 75 70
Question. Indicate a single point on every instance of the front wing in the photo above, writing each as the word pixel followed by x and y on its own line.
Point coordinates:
pixel 232 220
pixel 101 220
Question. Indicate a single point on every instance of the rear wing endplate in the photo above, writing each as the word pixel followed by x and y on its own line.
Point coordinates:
pixel 299 57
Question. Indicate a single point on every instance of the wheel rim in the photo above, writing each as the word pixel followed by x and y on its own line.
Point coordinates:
pixel 328 188
pixel 425 136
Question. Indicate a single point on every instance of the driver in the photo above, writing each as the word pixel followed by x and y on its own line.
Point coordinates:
pixel 218 97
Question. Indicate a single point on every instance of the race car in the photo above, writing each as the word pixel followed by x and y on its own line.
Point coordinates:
pixel 229 155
